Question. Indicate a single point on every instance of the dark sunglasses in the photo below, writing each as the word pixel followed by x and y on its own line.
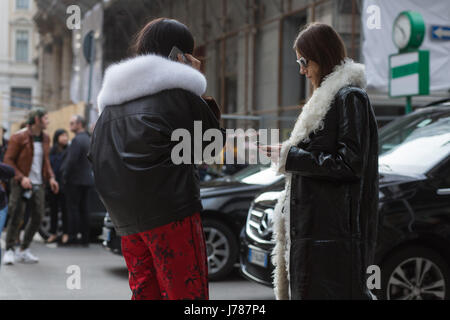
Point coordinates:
pixel 303 62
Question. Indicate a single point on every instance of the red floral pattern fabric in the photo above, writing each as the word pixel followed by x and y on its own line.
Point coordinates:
pixel 169 262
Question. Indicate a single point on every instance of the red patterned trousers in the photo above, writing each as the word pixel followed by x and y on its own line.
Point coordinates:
pixel 168 262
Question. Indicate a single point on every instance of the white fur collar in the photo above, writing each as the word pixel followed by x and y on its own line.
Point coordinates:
pixel 146 75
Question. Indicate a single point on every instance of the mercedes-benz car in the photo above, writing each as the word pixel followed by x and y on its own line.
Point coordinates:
pixel 413 246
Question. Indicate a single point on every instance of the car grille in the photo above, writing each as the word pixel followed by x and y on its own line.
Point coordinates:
pixel 259 225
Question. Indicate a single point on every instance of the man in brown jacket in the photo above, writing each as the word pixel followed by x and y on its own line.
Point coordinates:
pixel 28 154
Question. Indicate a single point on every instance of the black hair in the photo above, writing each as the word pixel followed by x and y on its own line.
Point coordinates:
pixel 160 35
pixel 81 120
pixel 56 136
pixel 320 43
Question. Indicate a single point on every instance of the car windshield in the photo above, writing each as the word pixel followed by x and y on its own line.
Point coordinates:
pixel 415 143
pixel 256 174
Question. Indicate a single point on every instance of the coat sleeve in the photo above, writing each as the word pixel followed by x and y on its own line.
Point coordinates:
pixel 11 156
pixel 207 111
pixel 49 174
pixel 6 172
pixel 72 157
pixel 347 163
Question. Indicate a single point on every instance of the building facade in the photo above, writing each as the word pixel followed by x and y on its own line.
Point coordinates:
pixel 19 85
pixel 245 47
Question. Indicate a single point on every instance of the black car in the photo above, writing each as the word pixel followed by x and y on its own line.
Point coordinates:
pixel 96 212
pixel 413 249
pixel 225 206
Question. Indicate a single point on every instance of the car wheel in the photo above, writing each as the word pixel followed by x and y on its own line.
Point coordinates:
pixel 221 248
pixel 415 273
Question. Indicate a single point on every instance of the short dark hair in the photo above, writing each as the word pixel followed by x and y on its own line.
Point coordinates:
pixel 320 43
pixel 160 35
pixel 36 112
pixel 82 120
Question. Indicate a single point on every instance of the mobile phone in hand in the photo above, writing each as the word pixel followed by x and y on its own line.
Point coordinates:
pixel 174 55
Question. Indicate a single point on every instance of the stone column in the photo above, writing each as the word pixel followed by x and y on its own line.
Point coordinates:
pixel 56 79
pixel 66 69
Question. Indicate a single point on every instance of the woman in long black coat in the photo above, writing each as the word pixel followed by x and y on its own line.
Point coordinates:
pixel 325 222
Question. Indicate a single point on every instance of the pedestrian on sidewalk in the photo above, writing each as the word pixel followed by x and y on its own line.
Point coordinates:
pixel 325 222
pixel 78 180
pixel 3 144
pixel 6 173
pixel 28 153
pixel 154 204
pixel 57 201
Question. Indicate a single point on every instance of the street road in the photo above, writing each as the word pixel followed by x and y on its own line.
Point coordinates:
pixel 103 277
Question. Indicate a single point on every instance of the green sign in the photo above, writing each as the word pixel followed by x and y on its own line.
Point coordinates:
pixel 409 70
pixel 409 74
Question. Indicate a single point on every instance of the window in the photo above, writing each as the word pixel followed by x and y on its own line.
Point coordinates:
pixel 22 46
pixel 293 84
pixel 416 143
pixel 21 98
pixel 22 4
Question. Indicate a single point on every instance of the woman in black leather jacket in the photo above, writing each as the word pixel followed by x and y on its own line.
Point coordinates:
pixel 154 204
pixel 325 222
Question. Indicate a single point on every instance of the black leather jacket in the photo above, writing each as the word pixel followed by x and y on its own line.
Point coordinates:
pixel 131 154
pixel 334 202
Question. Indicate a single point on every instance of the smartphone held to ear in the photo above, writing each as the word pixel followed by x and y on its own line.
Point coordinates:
pixel 174 55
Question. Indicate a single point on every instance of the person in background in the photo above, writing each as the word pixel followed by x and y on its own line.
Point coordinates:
pixel 4 182
pixel 58 153
pixel 27 207
pixel 6 173
pixel 28 153
pixel 3 144
pixel 78 179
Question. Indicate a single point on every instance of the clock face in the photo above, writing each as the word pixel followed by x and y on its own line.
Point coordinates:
pixel 402 31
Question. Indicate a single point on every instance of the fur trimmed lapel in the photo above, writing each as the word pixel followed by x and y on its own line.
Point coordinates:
pixel 146 75
pixel 310 120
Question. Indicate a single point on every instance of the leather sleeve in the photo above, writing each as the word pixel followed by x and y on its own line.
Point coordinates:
pixel 213 106
pixel 11 156
pixel 208 112
pixel 6 172
pixel 347 163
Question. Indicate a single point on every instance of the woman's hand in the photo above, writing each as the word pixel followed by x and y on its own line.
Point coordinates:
pixel 273 152
pixel 195 63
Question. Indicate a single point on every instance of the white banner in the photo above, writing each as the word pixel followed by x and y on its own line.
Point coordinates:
pixel 378 44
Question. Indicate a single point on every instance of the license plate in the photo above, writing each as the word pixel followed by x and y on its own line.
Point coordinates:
pixel 106 234
pixel 257 257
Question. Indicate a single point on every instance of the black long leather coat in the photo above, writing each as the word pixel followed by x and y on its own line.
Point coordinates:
pixel 334 202
pixel 131 148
